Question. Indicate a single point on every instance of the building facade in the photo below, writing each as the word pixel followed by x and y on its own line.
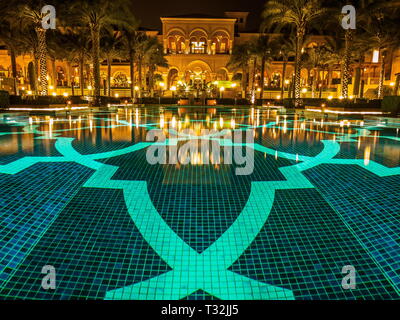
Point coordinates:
pixel 198 48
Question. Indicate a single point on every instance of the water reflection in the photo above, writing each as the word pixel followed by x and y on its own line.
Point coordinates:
pixel 97 132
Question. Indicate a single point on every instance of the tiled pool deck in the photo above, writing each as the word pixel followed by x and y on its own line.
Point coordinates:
pixel 77 193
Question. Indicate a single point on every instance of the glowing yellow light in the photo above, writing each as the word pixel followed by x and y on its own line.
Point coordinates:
pixel 392 84
pixel 23 88
pixel 375 56
pixel 136 88
pixel 330 98
pixel 233 85
pixel 51 87
pixel 173 88
pixel 162 84
pixel 90 87
pixel 65 94
pixel 278 96
pixel 351 97
pixel 54 94
pixel 304 90
pixel 287 81
pixel 116 95
pixel 259 89
pixel 222 89
pixel 341 98
pixel 29 92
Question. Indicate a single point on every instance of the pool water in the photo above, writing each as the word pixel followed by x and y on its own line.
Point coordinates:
pixel 78 193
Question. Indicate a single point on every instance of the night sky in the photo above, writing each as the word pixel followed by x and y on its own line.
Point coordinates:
pixel 150 11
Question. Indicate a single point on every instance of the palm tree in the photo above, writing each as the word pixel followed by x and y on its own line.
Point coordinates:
pixel 130 36
pixel 380 31
pixel 154 58
pixel 261 49
pixel 286 50
pixel 29 45
pixel 31 14
pixel 10 36
pixel 111 48
pixel 240 60
pixel 300 13
pixel 76 46
pixel 98 14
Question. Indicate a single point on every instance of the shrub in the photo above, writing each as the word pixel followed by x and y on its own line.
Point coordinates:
pixel 391 104
pixel 4 99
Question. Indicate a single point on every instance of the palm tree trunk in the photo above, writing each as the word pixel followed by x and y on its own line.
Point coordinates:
pixel 313 83
pixel 108 77
pixel 299 45
pixel 397 84
pixel 81 76
pixel 95 33
pixel 14 69
pixel 357 81
pixel 53 69
pixel 381 77
pixel 140 76
pixel 36 68
pixel 42 48
pixel 262 77
pixel 283 79
pixel 346 64
pixel 132 74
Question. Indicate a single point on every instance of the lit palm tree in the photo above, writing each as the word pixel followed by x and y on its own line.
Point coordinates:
pixel 300 13
pixel 31 14
pixel 240 60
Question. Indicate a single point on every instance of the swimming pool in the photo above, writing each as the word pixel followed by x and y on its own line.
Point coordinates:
pixel 79 193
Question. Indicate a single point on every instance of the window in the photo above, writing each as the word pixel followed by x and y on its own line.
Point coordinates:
pixel 198 47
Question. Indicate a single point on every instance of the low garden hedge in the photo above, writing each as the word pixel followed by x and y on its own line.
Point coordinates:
pixel 391 104
pixel 4 99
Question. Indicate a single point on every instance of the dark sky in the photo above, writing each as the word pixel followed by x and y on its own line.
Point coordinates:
pixel 150 11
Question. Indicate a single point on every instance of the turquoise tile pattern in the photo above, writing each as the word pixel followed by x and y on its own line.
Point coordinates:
pixel 78 193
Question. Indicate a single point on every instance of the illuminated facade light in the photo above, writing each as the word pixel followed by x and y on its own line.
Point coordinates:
pixel 375 56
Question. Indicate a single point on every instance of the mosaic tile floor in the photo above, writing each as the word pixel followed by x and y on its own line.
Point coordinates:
pixel 78 192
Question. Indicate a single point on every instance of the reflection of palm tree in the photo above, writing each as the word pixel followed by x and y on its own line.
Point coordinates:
pixel 300 13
